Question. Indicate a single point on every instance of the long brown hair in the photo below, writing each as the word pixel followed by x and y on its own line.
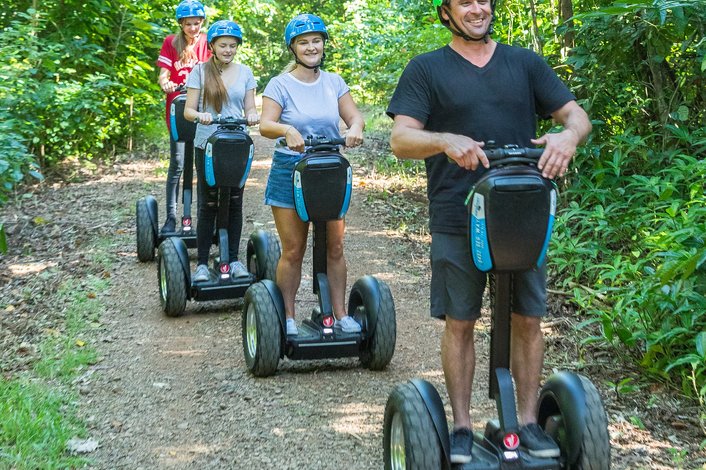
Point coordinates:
pixel 186 51
pixel 213 88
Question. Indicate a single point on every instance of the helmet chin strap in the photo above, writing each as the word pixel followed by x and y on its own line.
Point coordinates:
pixel 456 31
pixel 315 68
pixel 219 61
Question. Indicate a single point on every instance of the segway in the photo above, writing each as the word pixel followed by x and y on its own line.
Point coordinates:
pixel 149 236
pixel 322 191
pixel 227 159
pixel 511 213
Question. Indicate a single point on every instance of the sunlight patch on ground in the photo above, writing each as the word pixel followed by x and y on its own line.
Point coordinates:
pixel 184 352
pixel 26 269
pixel 182 454
pixel 261 163
pixel 433 374
pixel 355 419
pixel 631 440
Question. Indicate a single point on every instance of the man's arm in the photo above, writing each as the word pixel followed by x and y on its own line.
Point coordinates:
pixel 560 148
pixel 409 140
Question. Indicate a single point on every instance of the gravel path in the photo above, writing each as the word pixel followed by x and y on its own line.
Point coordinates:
pixel 175 392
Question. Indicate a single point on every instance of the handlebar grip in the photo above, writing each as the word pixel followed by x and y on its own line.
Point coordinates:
pixel 230 120
pixel 523 152
pixel 314 141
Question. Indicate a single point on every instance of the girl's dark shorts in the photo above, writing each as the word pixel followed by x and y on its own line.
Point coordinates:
pixel 457 286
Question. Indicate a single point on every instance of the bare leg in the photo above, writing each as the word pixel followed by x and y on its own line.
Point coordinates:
pixel 458 358
pixel 292 233
pixel 336 266
pixel 527 356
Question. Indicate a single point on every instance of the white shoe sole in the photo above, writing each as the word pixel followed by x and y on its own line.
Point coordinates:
pixel 544 454
pixel 458 458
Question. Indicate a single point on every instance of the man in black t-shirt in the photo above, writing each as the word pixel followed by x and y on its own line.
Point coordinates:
pixel 447 105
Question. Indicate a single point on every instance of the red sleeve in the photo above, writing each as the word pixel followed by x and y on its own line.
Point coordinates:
pixel 167 56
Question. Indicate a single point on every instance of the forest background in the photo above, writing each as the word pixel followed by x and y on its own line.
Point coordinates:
pixel 78 83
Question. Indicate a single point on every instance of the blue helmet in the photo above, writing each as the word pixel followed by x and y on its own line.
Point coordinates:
pixel 189 8
pixel 224 28
pixel 302 24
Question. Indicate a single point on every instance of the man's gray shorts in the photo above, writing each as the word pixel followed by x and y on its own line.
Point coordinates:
pixel 457 285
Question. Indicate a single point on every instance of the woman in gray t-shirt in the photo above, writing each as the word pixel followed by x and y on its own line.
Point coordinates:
pixel 223 87
pixel 302 101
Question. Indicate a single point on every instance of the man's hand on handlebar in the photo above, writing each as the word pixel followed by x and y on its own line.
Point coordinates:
pixel 466 152
pixel 559 150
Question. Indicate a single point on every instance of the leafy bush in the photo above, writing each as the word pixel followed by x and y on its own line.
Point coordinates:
pixel 630 245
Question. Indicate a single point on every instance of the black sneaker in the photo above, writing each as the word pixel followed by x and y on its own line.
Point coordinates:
pixel 461 445
pixel 537 442
pixel 169 225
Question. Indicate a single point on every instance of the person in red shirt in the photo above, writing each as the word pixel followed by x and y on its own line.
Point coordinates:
pixel 180 53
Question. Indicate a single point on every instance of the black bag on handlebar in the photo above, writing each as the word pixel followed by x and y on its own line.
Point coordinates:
pixel 181 129
pixel 322 186
pixel 510 218
pixel 227 158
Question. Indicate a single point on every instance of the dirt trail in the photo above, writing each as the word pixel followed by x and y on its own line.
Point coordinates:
pixel 175 392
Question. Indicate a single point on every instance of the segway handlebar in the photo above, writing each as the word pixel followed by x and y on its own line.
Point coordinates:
pixel 311 141
pixel 511 154
pixel 512 151
pixel 230 120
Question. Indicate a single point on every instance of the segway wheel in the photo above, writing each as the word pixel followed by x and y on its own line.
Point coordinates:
pixel 172 279
pixel 262 334
pixel 371 304
pixel 409 438
pixel 592 450
pixel 263 254
pixel 146 237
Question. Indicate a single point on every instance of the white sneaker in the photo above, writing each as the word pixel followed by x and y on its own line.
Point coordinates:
pixel 292 327
pixel 201 274
pixel 237 269
pixel 348 325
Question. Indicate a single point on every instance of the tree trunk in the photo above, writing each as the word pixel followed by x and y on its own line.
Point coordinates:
pixel 536 43
pixel 566 11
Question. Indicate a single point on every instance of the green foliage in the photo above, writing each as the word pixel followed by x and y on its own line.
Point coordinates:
pixel 634 231
pixel 78 80
pixel 3 239
pixel 64 354
pixel 642 64
pixel 37 422
pixel 72 87
pixel 38 416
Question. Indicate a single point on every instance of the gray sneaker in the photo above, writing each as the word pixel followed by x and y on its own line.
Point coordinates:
pixel 538 443
pixel 348 325
pixel 237 269
pixel 201 274
pixel 292 327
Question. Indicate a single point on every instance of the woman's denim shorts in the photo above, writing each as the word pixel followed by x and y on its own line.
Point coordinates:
pixel 280 189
